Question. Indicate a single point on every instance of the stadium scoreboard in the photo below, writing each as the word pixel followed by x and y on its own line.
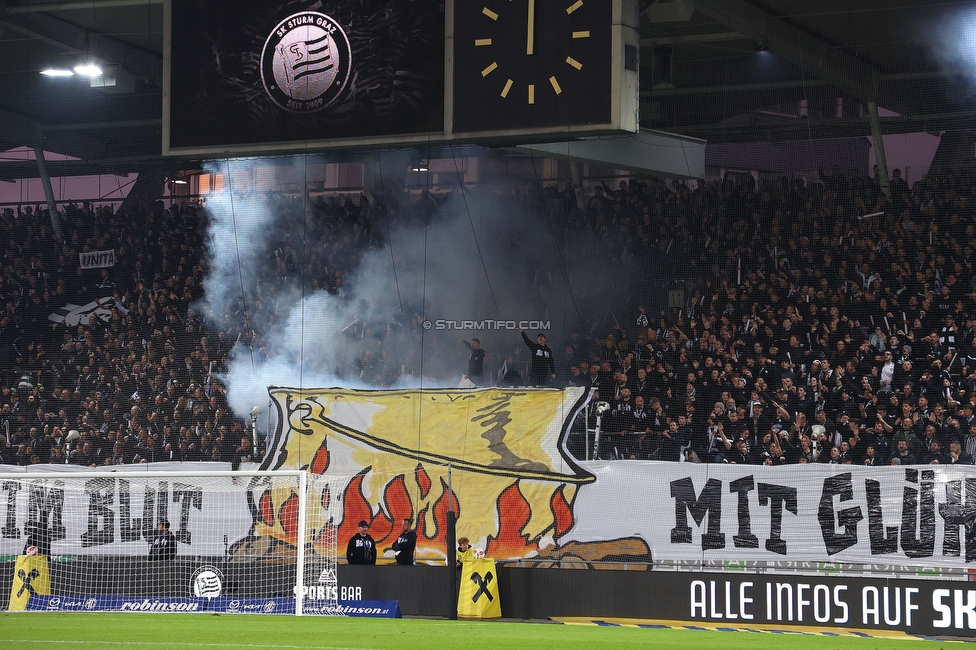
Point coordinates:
pixel 251 77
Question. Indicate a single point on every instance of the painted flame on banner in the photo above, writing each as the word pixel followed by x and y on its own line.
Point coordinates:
pixel 512 483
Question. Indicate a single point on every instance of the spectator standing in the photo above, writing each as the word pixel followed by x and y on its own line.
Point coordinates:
pixel 361 548
pixel 405 544
pixel 543 368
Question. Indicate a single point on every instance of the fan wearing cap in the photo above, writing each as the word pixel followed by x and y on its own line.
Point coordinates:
pixel 163 548
pixel 361 548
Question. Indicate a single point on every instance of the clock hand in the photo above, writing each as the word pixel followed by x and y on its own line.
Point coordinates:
pixel 530 39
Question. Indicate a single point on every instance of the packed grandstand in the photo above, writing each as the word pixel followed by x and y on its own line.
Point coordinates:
pixel 819 321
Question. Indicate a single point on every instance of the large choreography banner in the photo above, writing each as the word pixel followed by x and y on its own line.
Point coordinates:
pixel 498 453
pixel 521 494
pixel 500 456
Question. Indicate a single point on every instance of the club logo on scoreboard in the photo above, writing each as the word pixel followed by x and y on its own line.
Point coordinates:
pixel 206 582
pixel 306 62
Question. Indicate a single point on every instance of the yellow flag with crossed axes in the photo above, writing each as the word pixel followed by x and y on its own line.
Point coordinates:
pixel 478 597
pixel 31 577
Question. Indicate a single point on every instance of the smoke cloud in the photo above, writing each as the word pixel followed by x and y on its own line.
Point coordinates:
pixel 949 35
pixel 490 252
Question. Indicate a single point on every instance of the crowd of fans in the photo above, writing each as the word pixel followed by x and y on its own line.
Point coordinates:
pixel 826 323
pixel 822 322
pixel 124 373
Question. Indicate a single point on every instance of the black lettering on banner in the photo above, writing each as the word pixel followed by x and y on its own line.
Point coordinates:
pixel 745 538
pixel 709 502
pixel 10 530
pixel 55 508
pixel 482 586
pixel 841 486
pixel 956 514
pixel 130 530
pixel 101 517
pixel 187 496
pixel 148 518
pixel 884 539
pixel 162 503
pixel 155 508
pixel 45 511
pixel 777 496
pixel 36 501
pixel 918 515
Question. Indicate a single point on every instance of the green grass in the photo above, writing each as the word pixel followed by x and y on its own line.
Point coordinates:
pixel 162 631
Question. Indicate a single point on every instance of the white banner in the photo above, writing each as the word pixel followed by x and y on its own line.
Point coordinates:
pixel 520 497
pixel 522 494
pixel 118 516
pixel 97 259
pixel 73 315
pixel 923 515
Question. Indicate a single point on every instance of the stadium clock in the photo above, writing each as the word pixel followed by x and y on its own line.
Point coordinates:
pixel 531 63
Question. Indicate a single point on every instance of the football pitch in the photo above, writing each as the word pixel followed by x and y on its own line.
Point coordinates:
pixel 163 631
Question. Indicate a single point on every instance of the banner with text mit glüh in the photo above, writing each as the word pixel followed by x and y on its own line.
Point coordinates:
pixel 919 516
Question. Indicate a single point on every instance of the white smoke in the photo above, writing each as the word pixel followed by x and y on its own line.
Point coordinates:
pixel 468 258
pixel 949 35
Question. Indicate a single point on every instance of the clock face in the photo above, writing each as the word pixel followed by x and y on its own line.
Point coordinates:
pixel 531 63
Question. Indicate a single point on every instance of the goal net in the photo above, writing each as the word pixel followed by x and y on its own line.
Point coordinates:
pixel 201 541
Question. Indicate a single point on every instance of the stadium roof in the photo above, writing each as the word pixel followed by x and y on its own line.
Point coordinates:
pixel 722 70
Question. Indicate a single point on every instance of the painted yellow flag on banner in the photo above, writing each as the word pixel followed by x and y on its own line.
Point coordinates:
pixel 510 481
pixel 499 458
pixel 478 597
pixel 31 577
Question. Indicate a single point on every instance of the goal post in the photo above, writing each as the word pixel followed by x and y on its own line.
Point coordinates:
pixel 183 541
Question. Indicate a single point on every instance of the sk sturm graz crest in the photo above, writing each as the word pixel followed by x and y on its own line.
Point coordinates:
pixel 206 582
pixel 258 71
pixel 306 62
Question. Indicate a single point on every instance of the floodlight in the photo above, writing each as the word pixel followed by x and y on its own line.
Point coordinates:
pixel 88 70
pixel 57 72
